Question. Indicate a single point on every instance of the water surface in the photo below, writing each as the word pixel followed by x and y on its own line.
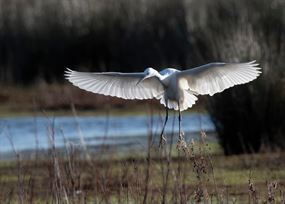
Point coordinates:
pixel 38 132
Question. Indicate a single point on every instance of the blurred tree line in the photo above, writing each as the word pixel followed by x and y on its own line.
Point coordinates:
pixel 39 38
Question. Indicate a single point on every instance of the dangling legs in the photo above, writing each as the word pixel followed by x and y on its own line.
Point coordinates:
pixel 179 119
pixel 162 138
pixel 181 141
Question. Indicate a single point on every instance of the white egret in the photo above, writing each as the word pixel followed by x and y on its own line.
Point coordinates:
pixel 174 88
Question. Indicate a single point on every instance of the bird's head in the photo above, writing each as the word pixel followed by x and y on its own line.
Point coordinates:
pixel 148 72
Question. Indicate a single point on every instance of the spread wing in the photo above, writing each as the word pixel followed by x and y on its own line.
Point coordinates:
pixel 215 77
pixel 122 85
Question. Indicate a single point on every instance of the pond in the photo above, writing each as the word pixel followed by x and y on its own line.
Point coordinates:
pixel 25 133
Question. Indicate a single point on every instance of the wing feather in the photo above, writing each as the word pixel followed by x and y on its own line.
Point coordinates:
pixel 215 77
pixel 122 85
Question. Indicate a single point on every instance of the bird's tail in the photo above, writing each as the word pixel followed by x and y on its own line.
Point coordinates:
pixel 188 102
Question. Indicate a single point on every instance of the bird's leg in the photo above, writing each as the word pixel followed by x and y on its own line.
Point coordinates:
pixel 179 119
pixel 181 141
pixel 162 138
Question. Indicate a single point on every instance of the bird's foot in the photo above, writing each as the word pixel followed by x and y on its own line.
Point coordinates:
pixel 181 143
pixel 162 140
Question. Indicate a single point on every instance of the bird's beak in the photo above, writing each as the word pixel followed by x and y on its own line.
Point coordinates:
pixel 142 79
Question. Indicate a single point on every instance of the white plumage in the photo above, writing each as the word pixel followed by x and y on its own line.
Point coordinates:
pixel 122 85
pixel 175 89
pixel 215 77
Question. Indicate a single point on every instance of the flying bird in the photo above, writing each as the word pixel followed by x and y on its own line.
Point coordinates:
pixel 174 88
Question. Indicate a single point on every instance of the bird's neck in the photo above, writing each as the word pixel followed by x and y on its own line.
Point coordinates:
pixel 157 74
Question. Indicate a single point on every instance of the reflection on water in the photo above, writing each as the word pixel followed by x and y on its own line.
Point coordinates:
pixel 28 132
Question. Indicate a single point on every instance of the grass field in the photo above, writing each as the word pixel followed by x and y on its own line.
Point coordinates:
pixel 195 173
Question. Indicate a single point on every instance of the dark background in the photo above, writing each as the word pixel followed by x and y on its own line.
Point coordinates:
pixel 39 38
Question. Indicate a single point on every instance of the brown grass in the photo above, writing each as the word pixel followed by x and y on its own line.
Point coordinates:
pixel 152 176
pixel 59 98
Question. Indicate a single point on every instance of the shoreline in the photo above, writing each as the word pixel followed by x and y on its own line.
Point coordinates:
pixel 63 99
pixel 4 113
pixel 130 143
